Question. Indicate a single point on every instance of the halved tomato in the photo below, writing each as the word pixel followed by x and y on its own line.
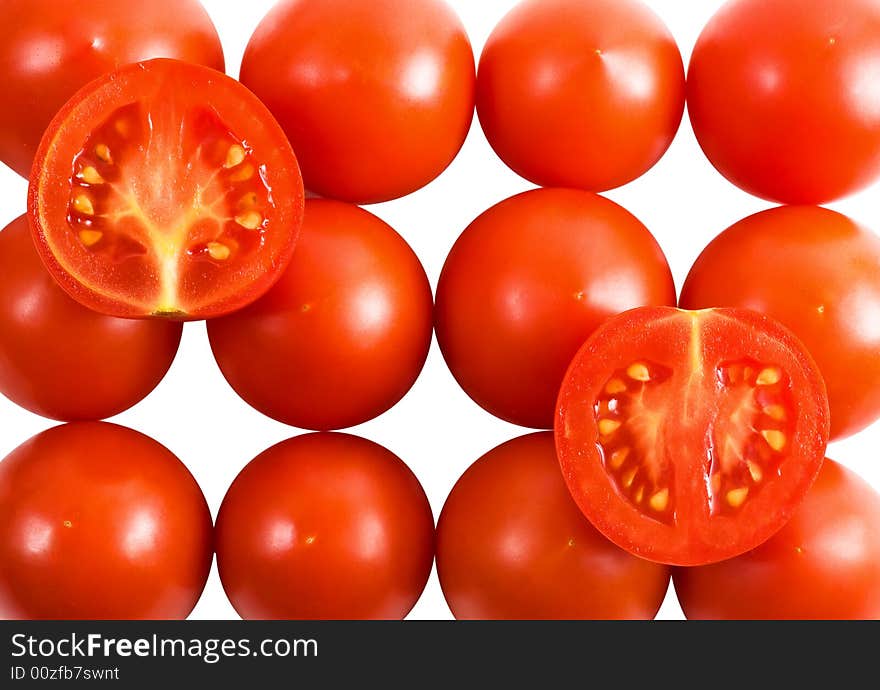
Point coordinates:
pixel 688 437
pixel 165 189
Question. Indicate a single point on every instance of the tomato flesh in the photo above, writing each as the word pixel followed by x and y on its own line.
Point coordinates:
pixel 165 189
pixel 690 437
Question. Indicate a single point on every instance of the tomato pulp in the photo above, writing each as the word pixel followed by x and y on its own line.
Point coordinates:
pixel 165 189
pixel 691 437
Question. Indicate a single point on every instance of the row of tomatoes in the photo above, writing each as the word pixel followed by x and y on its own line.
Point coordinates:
pixel 327 526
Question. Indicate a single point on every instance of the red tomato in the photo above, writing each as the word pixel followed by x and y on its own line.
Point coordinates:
pixel 824 564
pixel 345 332
pixel 165 189
pixel 100 522
pixel 784 97
pixel 581 93
pixel 528 282
pixel 818 273
pixel 64 361
pixel 376 97
pixel 511 544
pixel 51 48
pixel 325 526
pixel 690 437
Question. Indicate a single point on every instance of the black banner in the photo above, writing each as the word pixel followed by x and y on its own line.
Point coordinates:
pixel 416 653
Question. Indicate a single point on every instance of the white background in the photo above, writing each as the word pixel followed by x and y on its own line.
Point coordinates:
pixel 436 429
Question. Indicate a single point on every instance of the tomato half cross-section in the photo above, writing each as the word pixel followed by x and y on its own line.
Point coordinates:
pixel 690 437
pixel 165 189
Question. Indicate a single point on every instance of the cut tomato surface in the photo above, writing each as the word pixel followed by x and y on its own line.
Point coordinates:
pixel 688 437
pixel 165 189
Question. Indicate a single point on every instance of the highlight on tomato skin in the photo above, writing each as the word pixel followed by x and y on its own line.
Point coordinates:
pixel 818 273
pixel 823 564
pixel 167 190
pixel 62 360
pixel 689 437
pixel 511 544
pixel 86 535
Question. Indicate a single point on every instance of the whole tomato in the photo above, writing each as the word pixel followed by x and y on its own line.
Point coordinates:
pixel 818 272
pixel 784 97
pixel 51 48
pixel 376 97
pixel 511 543
pixel 100 522
pixel 344 333
pixel 581 93
pixel 825 563
pixel 62 360
pixel 325 526
pixel 528 282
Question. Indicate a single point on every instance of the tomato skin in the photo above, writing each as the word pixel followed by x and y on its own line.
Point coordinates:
pixel 342 336
pixel 824 564
pixel 511 544
pixel 835 265
pixel 100 522
pixel 61 360
pixel 376 98
pixel 182 124
pixel 688 437
pixel 325 526
pixel 581 93
pixel 526 284
pixel 782 98
pixel 51 48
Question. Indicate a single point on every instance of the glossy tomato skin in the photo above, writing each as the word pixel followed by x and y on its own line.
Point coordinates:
pixel 526 284
pixel 688 437
pixel 511 544
pixel 376 97
pixel 581 93
pixel 100 522
pixel 62 360
pixel 817 272
pixel 215 226
pixel 824 564
pixel 343 335
pixel 325 526
pixel 782 98
pixel 51 48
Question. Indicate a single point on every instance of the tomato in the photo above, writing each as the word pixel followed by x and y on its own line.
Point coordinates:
pixel 100 522
pixel 51 48
pixel 325 526
pixel 528 282
pixel 165 189
pixel 376 97
pixel 342 336
pixel 690 437
pixel 818 273
pixel 64 361
pixel 784 97
pixel 581 93
pixel 824 564
pixel 511 544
